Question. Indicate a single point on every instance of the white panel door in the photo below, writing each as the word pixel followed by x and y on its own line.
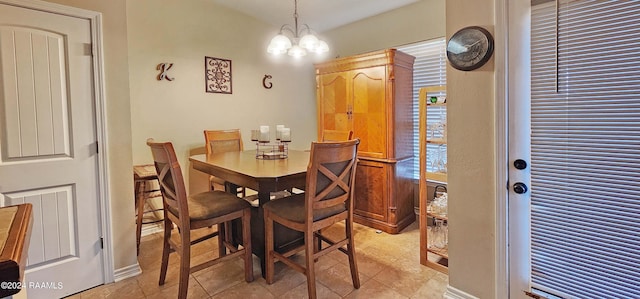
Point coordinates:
pixel 48 146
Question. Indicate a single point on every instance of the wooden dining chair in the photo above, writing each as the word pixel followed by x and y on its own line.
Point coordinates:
pixel 143 176
pixel 336 135
pixel 328 199
pixel 220 141
pixel 194 212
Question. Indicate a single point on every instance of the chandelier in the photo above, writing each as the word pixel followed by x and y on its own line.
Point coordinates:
pixel 303 40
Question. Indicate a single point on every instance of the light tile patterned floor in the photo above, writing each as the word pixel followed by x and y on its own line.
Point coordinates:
pixel 388 264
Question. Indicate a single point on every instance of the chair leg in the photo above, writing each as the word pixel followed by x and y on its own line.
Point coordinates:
pixel 351 252
pixel 185 260
pixel 212 185
pixel 140 201
pixel 228 233
pixel 166 249
pixel 246 243
pixel 222 237
pixel 268 249
pixel 310 269
pixel 317 241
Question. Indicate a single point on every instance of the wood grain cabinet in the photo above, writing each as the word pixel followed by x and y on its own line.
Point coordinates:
pixel 371 94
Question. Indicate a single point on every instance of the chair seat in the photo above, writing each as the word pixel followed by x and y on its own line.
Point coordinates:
pixel 292 208
pixel 212 204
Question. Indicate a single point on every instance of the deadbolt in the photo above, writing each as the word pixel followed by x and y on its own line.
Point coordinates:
pixel 520 188
pixel 520 164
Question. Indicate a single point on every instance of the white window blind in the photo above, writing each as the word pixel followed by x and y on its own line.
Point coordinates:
pixel 429 69
pixel 585 144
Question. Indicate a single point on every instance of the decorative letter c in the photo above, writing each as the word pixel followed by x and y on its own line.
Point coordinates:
pixel 266 84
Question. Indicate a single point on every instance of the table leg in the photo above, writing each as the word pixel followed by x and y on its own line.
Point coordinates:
pixel 257 230
pixel 285 238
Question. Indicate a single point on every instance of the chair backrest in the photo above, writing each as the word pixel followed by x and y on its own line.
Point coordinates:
pixel 336 135
pixel 174 194
pixel 220 141
pixel 331 175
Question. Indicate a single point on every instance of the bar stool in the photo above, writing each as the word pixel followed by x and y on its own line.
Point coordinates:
pixel 143 176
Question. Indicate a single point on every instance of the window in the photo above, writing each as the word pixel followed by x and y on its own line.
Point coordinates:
pixel 429 69
pixel 585 148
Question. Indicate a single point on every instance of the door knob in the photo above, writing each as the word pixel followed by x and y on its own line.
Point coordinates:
pixel 520 164
pixel 520 188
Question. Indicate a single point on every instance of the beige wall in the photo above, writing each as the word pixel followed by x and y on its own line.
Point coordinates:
pixel 118 125
pixel 421 21
pixel 471 165
pixel 183 33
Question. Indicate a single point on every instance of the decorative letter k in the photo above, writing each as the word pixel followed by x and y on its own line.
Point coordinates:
pixel 164 68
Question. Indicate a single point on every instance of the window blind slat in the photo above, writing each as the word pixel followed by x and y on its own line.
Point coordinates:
pixel 429 69
pixel 585 149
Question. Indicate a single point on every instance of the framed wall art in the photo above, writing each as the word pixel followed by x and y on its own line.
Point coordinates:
pixel 217 75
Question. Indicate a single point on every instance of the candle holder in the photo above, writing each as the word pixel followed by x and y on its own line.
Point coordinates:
pixel 272 151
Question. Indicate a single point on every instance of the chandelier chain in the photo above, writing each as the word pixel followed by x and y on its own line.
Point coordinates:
pixel 295 17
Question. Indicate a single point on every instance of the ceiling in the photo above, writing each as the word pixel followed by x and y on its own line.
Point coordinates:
pixel 320 15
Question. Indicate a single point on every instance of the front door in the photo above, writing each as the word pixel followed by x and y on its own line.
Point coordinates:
pixel 574 119
pixel 48 146
pixel 519 149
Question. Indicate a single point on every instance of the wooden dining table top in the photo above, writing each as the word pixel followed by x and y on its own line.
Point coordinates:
pixel 264 175
pixel 245 162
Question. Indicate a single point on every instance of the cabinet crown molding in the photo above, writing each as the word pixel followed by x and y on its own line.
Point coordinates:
pixel 376 58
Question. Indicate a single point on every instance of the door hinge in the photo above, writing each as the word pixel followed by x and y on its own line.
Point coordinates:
pixel 101 243
pixel 87 49
pixel 97 148
pixel 532 295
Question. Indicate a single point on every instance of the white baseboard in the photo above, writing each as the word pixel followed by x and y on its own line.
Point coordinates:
pixel 453 293
pixel 151 228
pixel 126 272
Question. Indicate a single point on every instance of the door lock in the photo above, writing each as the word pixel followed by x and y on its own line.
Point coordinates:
pixel 520 164
pixel 520 188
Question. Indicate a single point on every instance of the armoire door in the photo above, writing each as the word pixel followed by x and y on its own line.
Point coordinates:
pixel 369 112
pixel 371 191
pixel 334 103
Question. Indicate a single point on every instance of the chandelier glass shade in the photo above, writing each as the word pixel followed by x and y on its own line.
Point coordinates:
pixel 299 43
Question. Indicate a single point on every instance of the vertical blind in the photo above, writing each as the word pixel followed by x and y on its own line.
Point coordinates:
pixel 585 145
pixel 429 69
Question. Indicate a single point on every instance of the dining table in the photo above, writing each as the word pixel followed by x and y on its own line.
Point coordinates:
pixel 265 176
pixel 16 223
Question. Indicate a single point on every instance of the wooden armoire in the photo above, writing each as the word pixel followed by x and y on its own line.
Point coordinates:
pixel 371 94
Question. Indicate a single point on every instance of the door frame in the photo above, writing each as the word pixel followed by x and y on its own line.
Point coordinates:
pixel 512 260
pixel 501 81
pixel 95 19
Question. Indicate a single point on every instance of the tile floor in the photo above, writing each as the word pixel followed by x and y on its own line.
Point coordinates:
pixel 388 264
